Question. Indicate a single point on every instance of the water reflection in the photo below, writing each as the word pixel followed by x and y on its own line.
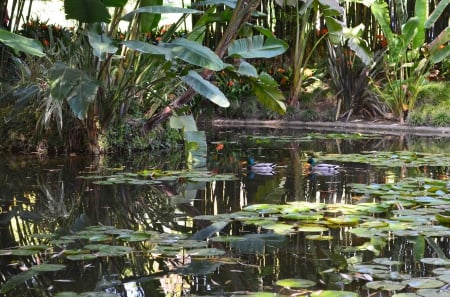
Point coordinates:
pixel 48 196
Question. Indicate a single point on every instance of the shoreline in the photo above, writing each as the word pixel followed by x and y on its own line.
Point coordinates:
pixel 354 126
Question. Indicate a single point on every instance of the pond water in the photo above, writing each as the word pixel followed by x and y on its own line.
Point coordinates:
pixel 152 225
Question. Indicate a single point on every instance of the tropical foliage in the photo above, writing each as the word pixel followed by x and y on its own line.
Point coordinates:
pixel 100 74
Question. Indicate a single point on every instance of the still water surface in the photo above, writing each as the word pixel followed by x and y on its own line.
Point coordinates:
pixel 48 196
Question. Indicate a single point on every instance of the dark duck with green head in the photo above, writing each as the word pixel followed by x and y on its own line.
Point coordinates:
pixel 260 168
pixel 323 168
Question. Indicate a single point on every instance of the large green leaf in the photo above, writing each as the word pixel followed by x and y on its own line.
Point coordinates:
pixel 332 7
pixel 409 32
pixel 74 86
pixel 206 88
pixel 87 11
pixel 148 48
pixel 421 13
pixel 267 92
pixel 101 44
pixel 247 69
pixel 149 21
pixel 380 11
pixel 357 44
pixel 196 54
pixel 439 9
pixel 255 47
pixel 82 96
pixel 436 46
pixel 22 44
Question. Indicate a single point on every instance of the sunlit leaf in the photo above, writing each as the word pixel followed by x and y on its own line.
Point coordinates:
pixel 22 44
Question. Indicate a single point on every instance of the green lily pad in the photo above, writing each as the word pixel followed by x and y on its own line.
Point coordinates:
pixel 295 283
pixel 432 293
pixel 435 261
pixel 319 237
pixel 331 293
pixel 385 285
pixel 309 229
pixel 386 261
pixel 424 283
pixel 114 251
pixel 344 220
pixel 81 257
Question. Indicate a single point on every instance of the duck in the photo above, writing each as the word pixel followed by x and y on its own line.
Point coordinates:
pixel 260 168
pixel 323 168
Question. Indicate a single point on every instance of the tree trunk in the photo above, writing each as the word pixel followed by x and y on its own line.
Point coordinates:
pixel 240 15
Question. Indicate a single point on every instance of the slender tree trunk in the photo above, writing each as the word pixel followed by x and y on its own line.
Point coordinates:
pixel 241 14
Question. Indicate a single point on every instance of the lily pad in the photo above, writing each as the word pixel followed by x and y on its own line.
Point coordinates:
pixel 385 285
pixel 424 283
pixel 295 283
pixel 435 261
pixel 332 293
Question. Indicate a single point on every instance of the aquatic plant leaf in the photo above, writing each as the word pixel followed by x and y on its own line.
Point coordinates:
pixel 435 261
pixel 332 293
pixel 319 237
pixel 344 220
pixel 385 285
pixel 135 236
pixel 263 208
pixel 279 228
pixel 424 283
pixel 443 219
pixel 312 229
pixel 441 270
pixel 306 217
pixel 368 268
pixel 114 251
pixel 295 283
pixel 45 267
pixel 374 224
pixel 81 257
pixel 386 261
pixel 444 277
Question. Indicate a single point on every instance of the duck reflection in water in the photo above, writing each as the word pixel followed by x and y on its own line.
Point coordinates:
pixel 259 168
pixel 324 182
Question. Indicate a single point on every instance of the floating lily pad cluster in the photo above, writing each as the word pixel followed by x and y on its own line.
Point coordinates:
pixel 412 208
pixel 105 241
pixel 156 176
pixel 391 159
pixel 273 139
